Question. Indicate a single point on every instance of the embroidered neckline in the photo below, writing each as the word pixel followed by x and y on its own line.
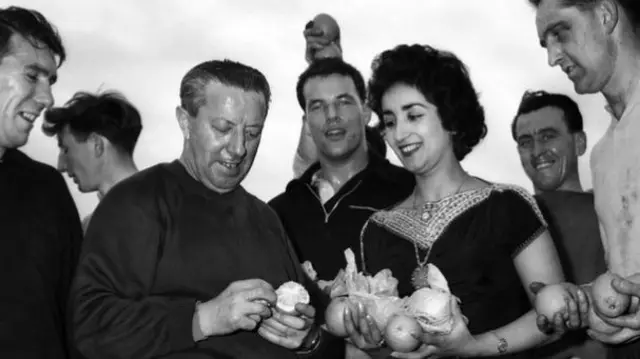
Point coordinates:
pixel 423 231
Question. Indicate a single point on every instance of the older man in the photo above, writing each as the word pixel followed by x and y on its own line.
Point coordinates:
pixel 40 229
pixel 180 261
pixel 596 44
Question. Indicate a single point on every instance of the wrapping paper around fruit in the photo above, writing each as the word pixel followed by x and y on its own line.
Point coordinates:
pixel 381 308
pixel 379 295
pixel 349 281
pixel 432 308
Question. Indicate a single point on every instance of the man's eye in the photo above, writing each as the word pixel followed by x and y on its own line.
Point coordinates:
pixel 32 77
pixel 222 128
pixel 524 143
pixel 315 107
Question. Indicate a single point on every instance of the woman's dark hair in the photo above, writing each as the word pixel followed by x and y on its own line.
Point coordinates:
pixel 443 80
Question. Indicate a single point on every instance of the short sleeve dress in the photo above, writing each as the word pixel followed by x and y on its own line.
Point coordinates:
pixel 473 238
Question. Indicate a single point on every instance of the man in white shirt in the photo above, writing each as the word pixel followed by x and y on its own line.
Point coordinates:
pixel 596 44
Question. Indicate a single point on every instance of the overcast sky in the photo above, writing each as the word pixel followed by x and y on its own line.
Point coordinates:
pixel 143 48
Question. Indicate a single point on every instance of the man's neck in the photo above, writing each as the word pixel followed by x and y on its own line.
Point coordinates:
pixel 115 175
pixel 624 82
pixel 567 187
pixel 340 172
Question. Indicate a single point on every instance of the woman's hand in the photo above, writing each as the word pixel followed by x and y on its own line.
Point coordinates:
pixel 361 328
pixel 459 342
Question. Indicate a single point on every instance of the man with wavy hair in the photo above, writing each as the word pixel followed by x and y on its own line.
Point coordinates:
pixel 97 134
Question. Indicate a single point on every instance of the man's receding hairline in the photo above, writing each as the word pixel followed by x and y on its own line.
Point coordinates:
pixel 213 80
pixel 209 81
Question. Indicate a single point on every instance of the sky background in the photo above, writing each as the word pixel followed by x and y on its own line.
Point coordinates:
pixel 143 48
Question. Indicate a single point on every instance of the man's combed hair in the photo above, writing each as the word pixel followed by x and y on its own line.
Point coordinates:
pixel 631 7
pixel 108 114
pixel 32 26
pixel 226 72
pixel 583 4
pixel 536 100
pixel 325 68
pixel 443 80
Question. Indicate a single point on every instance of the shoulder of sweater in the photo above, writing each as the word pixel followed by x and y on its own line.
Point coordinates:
pixel 140 186
pixel 35 167
pixel 263 208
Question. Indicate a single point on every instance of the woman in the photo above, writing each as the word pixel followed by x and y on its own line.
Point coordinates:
pixel 489 240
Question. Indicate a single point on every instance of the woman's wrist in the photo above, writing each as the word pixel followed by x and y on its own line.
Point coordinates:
pixel 487 344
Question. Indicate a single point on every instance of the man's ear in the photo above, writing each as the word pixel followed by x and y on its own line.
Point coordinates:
pixel 609 14
pixel 98 144
pixel 580 139
pixel 183 121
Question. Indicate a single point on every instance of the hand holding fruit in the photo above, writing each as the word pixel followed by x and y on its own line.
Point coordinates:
pixel 560 307
pixel 360 327
pixel 241 306
pixel 595 304
pixel 292 320
pixel 457 342
pixel 401 333
pixel 322 36
pixel 629 322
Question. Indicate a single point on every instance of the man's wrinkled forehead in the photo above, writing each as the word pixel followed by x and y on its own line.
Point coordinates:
pixel 230 98
pixel 543 119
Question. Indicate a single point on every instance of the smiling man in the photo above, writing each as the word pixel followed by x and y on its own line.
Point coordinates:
pixel 97 134
pixel 324 210
pixel 548 130
pixel 41 233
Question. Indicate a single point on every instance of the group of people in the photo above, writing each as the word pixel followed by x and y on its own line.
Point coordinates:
pixel 179 261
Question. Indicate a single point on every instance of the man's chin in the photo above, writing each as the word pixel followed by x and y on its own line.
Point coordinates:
pixel 83 189
pixel 582 87
pixel 547 186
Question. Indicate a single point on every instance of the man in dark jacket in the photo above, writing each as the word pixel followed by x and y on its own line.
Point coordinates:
pixel 41 232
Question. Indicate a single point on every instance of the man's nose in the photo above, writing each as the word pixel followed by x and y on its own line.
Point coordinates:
pixel 62 163
pixel 331 112
pixel 237 144
pixel 44 95
pixel 538 148
pixel 554 54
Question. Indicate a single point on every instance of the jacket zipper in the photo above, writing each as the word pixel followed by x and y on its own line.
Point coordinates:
pixel 328 214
